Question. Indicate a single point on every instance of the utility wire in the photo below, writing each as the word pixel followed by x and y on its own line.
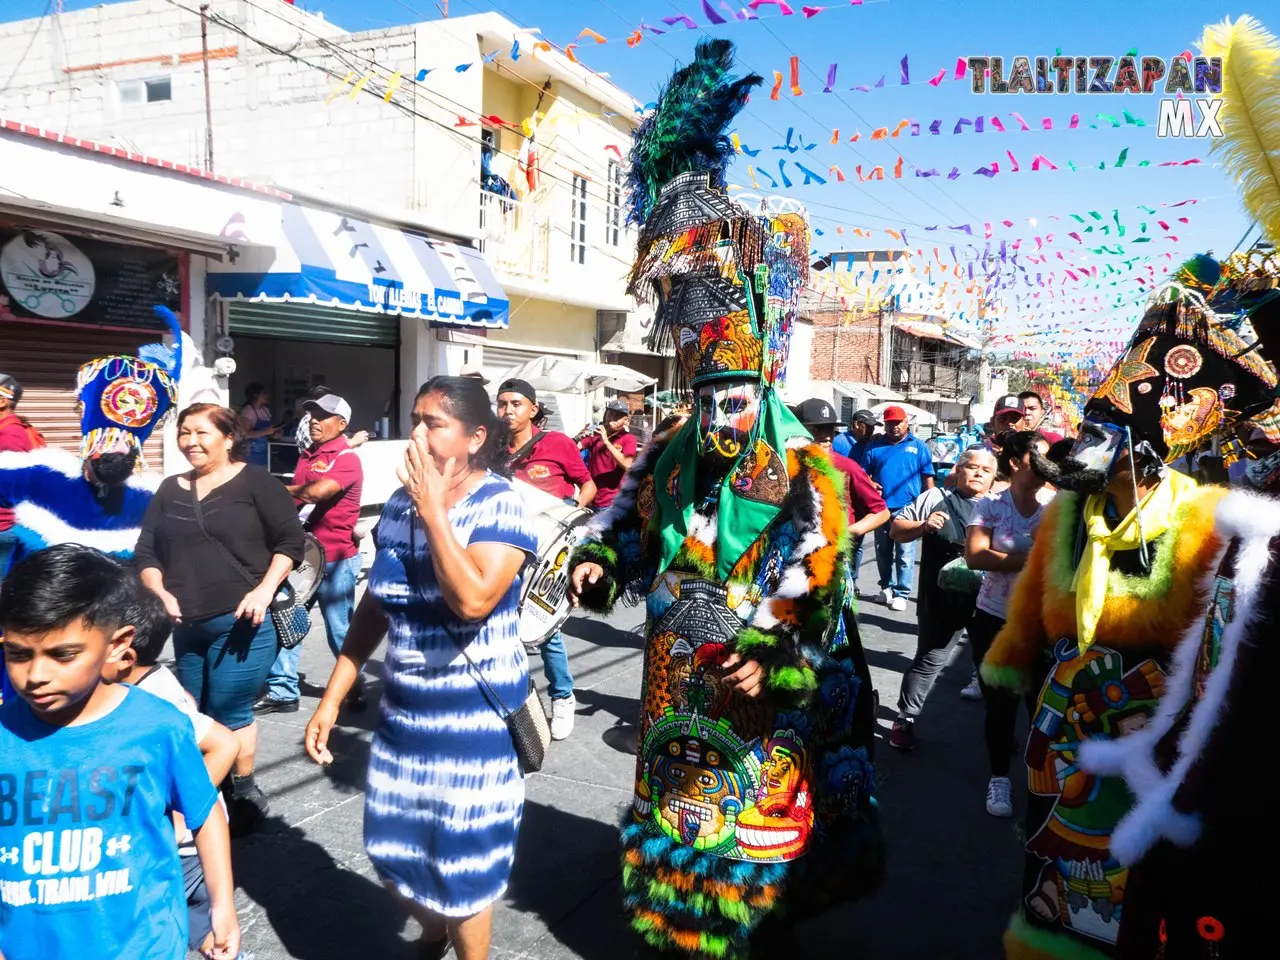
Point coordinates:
pixel 30 43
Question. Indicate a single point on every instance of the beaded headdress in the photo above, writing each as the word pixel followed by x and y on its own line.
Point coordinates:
pixel 124 398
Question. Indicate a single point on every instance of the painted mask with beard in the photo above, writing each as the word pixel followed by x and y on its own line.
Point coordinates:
pixel 1089 466
pixel 728 411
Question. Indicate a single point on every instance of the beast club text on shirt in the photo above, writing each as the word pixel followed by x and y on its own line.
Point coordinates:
pixel 88 862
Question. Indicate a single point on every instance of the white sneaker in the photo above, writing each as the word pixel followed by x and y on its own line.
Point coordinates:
pixel 886 596
pixel 972 691
pixel 1000 797
pixel 898 603
pixel 562 717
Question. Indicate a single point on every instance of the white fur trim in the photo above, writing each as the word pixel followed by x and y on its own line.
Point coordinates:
pixel 67 464
pixel 53 529
pixel 1255 520
pixel 703 529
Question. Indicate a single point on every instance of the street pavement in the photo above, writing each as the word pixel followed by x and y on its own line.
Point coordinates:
pixel 307 891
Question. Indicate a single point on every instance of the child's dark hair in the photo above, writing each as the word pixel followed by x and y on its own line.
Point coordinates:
pixel 1014 445
pixel 465 400
pixel 58 586
pixel 151 624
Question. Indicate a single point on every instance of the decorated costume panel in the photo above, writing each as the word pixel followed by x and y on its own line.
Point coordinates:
pixel 1073 886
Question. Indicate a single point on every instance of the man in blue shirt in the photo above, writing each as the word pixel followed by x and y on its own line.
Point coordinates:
pixel 854 444
pixel 903 467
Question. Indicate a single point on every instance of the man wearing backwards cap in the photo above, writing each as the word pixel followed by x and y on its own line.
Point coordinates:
pixel 854 443
pixel 329 476
pixel 867 510
pixel 903 466
pixel 551 462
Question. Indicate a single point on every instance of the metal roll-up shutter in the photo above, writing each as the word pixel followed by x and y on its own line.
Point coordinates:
pixel 316 324
pixel 45 358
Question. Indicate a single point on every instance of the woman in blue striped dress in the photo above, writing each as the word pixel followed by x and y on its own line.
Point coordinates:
pixel 444 792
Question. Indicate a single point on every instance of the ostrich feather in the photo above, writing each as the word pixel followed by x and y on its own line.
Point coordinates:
pixel 686 132
pixel 1250 114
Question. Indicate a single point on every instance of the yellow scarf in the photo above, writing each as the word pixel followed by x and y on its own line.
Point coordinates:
pixel 1157 510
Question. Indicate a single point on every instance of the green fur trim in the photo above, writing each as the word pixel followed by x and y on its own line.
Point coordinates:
pixel 1006 678
pixel 1046 942
pixel 685 559
pixel 792 679
pixel 1153 587
pixel 750 639
pixel 593 551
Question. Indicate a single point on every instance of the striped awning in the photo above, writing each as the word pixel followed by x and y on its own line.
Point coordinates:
pixel 324 257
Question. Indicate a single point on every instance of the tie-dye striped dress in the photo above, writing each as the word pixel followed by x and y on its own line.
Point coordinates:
pixel 444 793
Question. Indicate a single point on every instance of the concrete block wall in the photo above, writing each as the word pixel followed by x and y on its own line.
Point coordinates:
pixel 270 116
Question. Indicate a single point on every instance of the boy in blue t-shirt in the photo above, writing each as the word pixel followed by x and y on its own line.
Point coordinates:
pixel 91 773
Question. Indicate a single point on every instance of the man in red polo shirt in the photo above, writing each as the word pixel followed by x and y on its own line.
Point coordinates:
pixel 551 462
pixel 610 452
pixel 329 476
pixel 16 436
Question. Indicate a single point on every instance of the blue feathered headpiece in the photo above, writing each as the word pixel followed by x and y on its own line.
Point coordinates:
pixel 123 399
pixel 686 132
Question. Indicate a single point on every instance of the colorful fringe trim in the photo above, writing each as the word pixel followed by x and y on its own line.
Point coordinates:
pixel 704 906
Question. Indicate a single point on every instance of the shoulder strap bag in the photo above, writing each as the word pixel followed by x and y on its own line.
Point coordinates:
pixel 527 724
pixel 291 620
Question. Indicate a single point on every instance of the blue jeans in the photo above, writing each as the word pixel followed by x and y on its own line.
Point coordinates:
pixel 896 561
pixel 336 598
pixel 555 667
pixel 222 662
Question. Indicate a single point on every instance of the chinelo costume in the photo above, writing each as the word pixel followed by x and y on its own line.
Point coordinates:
pixel 1098 610
pixel 748 812
pixel 1198 840
pixel 55 495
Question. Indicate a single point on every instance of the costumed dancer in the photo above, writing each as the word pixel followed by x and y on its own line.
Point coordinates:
pixel 98 498
pixel 754 789
pixel 1197 841
pixel 1111 583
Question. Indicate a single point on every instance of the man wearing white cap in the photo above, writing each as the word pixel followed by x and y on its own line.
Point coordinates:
pixel 329 476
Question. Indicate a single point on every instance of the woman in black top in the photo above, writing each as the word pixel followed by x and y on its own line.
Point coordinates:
pixel 224 639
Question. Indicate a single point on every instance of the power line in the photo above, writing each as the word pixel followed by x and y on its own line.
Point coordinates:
pixel 30 43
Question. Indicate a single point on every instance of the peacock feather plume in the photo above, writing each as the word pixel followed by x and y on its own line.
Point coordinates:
pixel 1250 114
pixel 686 132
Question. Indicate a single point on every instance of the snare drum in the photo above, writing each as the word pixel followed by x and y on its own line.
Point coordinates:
pixel 306 576
pixel 544 596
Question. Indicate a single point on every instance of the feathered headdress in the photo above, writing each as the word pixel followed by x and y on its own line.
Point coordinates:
pixel 686 132
pixel 123 399
pixel 1250 144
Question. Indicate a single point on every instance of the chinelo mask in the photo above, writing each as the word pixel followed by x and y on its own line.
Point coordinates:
pixel 728 411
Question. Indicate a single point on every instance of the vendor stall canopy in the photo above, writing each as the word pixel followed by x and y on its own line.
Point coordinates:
pixel 325 257
pixel 569 375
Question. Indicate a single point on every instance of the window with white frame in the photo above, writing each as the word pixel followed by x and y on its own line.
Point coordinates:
pixel 613 204
pixel 154 90
pixel 578 220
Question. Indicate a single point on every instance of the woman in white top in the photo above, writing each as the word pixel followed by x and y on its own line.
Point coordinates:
pixel 999 539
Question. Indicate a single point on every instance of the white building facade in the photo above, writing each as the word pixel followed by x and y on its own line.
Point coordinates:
pixel 387 138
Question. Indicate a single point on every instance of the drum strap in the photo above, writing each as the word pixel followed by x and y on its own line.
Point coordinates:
pixel 523 453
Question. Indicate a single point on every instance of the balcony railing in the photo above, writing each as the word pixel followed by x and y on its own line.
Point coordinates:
pixel 921 377
pixel 515 235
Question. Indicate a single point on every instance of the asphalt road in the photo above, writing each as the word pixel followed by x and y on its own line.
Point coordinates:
pixel 306 890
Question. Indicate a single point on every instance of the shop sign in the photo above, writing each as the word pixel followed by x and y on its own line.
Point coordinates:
pixel 46 276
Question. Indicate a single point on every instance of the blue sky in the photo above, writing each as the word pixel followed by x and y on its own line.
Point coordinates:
pixel 868 41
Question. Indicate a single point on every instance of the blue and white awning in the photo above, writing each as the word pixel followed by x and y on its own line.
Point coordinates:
pixel 326 258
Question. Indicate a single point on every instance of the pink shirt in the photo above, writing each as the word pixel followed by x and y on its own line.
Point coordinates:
pixel 333 522
pixel 604 468
pixel 14 438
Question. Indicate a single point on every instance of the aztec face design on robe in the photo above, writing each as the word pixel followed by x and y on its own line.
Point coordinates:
pixel 1079 885
pixel 723 774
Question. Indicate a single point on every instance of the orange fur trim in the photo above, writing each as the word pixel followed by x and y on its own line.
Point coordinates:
pixel 1039 610
pixel 822 564
pixel 749 561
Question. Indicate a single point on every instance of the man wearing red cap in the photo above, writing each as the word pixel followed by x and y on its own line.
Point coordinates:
pixel 903 467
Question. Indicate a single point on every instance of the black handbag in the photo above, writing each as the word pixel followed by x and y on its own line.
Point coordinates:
pixel 527 724
pixel 290 618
